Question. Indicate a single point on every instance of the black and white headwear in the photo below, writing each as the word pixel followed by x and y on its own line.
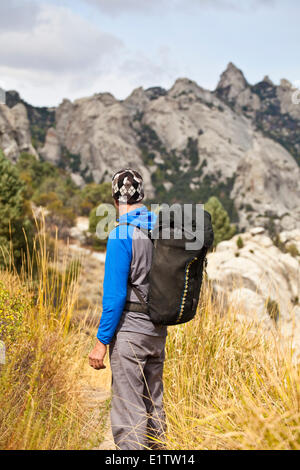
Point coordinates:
pixel 127 186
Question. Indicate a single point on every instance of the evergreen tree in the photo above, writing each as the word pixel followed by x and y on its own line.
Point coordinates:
pixel 220 220
pixel 94 194
pixel 14 214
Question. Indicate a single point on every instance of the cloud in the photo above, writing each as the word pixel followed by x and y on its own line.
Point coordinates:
pixel 144 71
pixel 59 54
pixel 118 7
pixel 60 41
pixel 62 54
pixel 115 7
pixel 15 15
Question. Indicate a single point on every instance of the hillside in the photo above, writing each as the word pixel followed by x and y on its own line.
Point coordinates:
pixel 270 107
pixel 240 143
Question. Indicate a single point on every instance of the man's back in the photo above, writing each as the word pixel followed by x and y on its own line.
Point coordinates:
pixel 128 262
pixel 141 258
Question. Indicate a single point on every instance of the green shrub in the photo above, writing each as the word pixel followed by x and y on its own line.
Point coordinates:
pixel 240 243
pixel 273 309
pixel 42 178
pixel 292 250
pixel 15 216
pixel 13 305
pixel 278 243
pixel 60 218
pixel 223 230
pixel 94 194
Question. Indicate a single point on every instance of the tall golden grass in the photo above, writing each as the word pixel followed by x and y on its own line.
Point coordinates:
pixel 41 402
pixel 229 385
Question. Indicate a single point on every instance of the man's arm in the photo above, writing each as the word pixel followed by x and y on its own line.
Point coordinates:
pixel 117 268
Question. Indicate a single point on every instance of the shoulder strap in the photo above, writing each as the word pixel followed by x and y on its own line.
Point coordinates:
pixel 138 294
pixel 146 231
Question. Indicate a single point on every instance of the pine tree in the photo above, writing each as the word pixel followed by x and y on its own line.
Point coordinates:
pixel 223 230
pixel 14 215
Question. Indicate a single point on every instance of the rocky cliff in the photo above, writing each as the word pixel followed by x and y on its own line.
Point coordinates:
pixel 40 118
pixel 240 143
pixel 274 110
pixel 260 279
pixel 15 136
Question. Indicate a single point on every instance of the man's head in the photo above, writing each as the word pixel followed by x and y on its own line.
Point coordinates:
pixel 127 187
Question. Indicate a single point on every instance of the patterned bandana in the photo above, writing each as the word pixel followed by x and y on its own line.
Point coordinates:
pixel 127 186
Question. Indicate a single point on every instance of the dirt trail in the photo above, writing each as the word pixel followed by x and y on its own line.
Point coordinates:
pixel 96 392
pixel 108 442
pixel 96 400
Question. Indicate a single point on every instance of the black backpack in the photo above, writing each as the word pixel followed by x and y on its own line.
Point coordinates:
pixel 176 272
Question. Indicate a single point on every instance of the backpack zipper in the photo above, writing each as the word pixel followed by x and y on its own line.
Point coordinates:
pixel 186 282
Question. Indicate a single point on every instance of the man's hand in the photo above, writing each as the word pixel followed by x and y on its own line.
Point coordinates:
pixel 97 356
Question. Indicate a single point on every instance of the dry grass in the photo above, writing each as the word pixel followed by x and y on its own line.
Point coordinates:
pixel 42 402
pixel 228 386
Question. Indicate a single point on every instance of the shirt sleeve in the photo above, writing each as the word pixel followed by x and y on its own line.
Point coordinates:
pixel 117 268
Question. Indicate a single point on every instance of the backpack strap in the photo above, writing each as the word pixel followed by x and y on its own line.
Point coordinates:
pixel 136 307
pixel 146 231
pixel 142 305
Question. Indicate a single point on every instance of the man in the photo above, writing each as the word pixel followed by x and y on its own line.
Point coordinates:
pixel 136 345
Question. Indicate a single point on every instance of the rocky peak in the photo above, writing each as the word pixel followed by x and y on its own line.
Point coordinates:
pixel 136 101
pixel 40 118
pixel 183 85
pixel 270 107
pixel 106 98
pixel 285 84
pixel 267 80
pixel 137 93
pixel 12 98
pixel 15 136
pixel 232 82
pixel 155 92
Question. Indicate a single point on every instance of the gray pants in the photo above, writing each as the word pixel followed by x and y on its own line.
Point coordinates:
pixel 137 402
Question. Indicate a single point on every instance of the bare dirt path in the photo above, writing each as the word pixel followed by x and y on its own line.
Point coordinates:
pixel 108 442
pixel 96 393
pixel 96 401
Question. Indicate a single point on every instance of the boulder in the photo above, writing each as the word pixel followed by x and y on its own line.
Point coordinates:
pixel 259 280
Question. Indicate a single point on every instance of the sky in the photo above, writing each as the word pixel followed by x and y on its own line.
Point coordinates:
pixel 55 49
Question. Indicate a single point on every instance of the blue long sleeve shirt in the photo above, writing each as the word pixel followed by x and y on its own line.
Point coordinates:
pixel 117 270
